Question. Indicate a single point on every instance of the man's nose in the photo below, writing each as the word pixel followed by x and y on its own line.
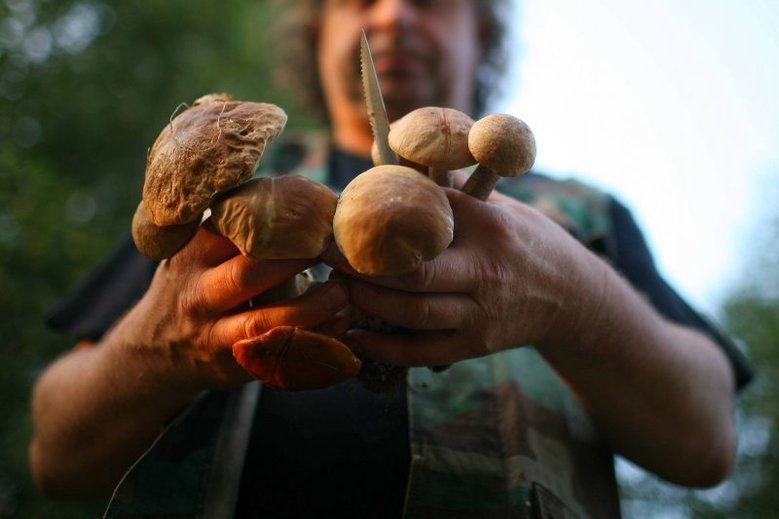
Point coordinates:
pixel 392 13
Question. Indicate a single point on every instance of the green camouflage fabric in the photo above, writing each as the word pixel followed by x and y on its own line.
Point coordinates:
pixel 502 436
pixel 498 436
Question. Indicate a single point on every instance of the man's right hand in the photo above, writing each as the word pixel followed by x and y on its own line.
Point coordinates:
pixel 97 409
pixel 197 307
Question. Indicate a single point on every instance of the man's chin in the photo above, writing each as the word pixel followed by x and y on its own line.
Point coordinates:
pixel 402 94
pixel 398 106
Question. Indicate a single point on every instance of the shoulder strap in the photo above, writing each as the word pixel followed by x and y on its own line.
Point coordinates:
pixel 224 481
pixel 176 475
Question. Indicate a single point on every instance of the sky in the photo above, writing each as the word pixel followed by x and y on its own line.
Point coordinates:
pixel 671 106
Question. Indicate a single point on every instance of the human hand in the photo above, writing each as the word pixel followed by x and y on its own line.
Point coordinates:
pixel 197 307
pixel 507 279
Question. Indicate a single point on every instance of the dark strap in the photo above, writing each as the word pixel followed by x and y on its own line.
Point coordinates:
pixel 224 482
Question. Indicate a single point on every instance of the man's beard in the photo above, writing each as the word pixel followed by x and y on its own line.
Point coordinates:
pixel 401 93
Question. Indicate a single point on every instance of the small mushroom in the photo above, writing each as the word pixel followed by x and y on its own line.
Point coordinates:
pixel 389 219
pixel 277 218
pixel 434 137
pixel 504 146
pixel 376 160
pixel 207 149
pixel 291 358
pixel 159 243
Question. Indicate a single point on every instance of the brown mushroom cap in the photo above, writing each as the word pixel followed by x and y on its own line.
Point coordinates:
pixel 159 243
pixel 390 218
pixel 209 148
pixel 503 143
pixel 504 147
pixel 290 358
pixel 277 218
pixel 433 136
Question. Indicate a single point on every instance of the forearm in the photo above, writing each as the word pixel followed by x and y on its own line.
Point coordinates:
pixel 660 393
pixel 95 410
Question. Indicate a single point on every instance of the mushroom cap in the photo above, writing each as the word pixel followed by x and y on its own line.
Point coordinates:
pixel 503 143
pixel 433 136
pixel 209 148
pixel 277 218
pixel 290 358
pixel 159 243
pixel 376 160
pixel 390 218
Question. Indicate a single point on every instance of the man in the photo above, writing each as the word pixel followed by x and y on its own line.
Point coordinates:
pixel 498 432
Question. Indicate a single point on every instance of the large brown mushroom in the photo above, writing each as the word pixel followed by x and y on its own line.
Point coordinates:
pixel 389 219
pixel 277 218
pixel 209 148
pixel 435 137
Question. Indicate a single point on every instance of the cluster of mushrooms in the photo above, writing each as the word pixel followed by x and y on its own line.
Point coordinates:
pixel 386 221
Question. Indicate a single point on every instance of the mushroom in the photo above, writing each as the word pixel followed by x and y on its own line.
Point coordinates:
pixel 203 159
pixel 282 218
pixel 209 148
pixel 277 218
pixel 291 358
pixel 434 137
pixel 504 146
pixel 157 242
pixel 389 219
pixel 376 159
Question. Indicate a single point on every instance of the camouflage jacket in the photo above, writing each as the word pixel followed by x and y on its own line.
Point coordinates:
pixel 497 436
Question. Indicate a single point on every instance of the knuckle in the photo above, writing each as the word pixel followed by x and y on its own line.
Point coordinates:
pixel 426 274
pixel 421 312
pixel 191 301
pixel 257 323
pixel 235 277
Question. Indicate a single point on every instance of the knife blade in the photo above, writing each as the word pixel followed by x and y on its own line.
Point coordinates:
pixel 377 113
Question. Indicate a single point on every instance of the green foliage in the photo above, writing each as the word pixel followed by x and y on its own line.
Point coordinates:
pixel 752 314
pixel 85 87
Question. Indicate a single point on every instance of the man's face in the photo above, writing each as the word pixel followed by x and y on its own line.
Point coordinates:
pixel 425 51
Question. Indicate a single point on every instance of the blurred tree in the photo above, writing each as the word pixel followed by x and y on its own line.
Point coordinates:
pixel 752 315
pixel 85 87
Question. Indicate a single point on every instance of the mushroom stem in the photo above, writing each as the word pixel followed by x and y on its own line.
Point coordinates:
pixel 481 182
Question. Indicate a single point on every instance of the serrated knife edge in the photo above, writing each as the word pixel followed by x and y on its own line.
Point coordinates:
pixel 377 113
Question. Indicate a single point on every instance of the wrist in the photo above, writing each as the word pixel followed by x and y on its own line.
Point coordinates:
pixel 579 320
pixel 131 355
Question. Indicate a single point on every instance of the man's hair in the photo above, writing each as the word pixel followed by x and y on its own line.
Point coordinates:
pixel 296 69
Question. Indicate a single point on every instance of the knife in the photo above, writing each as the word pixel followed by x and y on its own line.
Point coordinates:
pixel 377 113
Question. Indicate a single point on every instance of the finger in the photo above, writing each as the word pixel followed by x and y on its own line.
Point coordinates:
pixel 310 310
pixel 428 311
pixel 240 278
pixel 451 272
pixel 412 349
pixel 458 178
pixel 334 327
pixel 207 247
